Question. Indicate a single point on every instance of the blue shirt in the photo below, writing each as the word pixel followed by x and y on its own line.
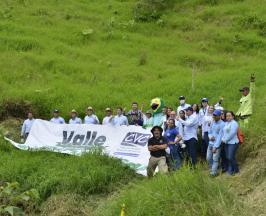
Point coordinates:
pixel 230 132
pixel 92 119
pixel 76 120
pixel 190 127
pixel 27 126
pixel 119 120
pixel 58 120
pixel 216 131
pixel 170 134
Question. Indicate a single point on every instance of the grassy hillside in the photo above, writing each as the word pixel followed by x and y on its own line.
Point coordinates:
pixel 72 54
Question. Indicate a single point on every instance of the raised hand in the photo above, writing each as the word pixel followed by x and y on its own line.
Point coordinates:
pixel 252 77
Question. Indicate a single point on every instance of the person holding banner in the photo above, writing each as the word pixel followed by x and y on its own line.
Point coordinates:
pixel 74 118
pixel 27 126
pixel 90 118
pixel 56 118
pixel 119 119
pixel 107 119
pixel 157 145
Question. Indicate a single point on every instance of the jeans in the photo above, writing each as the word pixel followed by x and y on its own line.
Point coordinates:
pixel 191 150
pixel 213 159
pixel 230 151
pixel 175 159
pixel 204 145
pixel 224 163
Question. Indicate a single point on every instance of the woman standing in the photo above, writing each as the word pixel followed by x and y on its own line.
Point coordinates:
pixel 231 142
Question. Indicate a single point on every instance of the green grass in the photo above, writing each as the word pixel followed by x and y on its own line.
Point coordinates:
pixel 183 193
pixel 51 173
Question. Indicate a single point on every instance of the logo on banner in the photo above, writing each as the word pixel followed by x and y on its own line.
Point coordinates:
pixel 135 138
pixel 90 138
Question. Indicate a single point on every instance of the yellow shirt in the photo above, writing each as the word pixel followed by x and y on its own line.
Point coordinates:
pixel 246 102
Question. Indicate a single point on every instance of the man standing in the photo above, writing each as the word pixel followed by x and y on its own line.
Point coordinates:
pixel 157 145
pixel 190 133
pixel 182 104
pixel 204 110
pixel 27 126
pixel 90 118
pixel 119 119
pixel 215 138
pixel 135 113
pixel 245 110
pixel 107 119
pixel 74 118
pixel 56 118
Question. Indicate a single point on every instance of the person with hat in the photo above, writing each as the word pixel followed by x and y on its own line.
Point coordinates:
pixel 215 139
pixel 108 117
pixel 26 127
pixel 157 145
pixel 182 104
pixel 147 120
pixel 56 118
pixel 90 118
pixel 245 110
pixel 74 119
pixel 190 136
pixel 206 123
pixel 204 109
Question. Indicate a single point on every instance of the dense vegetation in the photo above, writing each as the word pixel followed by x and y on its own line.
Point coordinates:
pixel 109 53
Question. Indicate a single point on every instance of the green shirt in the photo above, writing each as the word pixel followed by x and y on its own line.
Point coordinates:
pixel 246 102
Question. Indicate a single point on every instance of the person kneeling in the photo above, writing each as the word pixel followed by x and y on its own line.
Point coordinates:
pixel 157 145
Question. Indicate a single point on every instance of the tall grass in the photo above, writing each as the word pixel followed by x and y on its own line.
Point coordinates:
pixel 185 192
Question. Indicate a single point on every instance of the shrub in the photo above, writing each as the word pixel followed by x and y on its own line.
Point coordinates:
pixel 150 10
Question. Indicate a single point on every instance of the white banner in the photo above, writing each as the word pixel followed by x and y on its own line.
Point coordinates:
pixel 126 142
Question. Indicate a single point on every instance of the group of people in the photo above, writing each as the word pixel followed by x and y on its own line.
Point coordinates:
pixel 218 130
pixel 177 138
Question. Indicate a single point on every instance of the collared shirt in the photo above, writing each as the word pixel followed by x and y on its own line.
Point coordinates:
pixel 154 141
pixel 180 127
pixel 147 122
pixel 27 124
pixel 203 112
pixel 107 120
pixel 92 119
pixel 216 131
pixel 130 117
pixel 230 132
pixel 76 120
pixel 182 107
pixel 190 127
pixel 119 120
pixel 206 122
pixel 58 120
pixel 246 102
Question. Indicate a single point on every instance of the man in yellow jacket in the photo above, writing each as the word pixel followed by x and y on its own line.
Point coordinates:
pixel 246 103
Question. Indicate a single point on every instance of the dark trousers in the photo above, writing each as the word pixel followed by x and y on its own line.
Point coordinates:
pixel 204 145
pixel 224 164
pixel 191 146
pixel 230 151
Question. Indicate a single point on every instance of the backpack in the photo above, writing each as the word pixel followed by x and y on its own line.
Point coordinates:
pixel 240 136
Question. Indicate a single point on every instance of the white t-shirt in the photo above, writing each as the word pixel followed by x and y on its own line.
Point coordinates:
pixel 75 121
pixel 58 120
pixel 92 119
pixel 107 120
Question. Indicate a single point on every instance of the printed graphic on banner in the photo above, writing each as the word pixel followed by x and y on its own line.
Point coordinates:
pixel 129 143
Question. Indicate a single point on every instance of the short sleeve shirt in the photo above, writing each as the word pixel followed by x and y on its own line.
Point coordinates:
pixel 161 141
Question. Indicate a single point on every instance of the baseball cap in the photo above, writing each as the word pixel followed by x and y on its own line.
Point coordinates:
pixel 245 88
pixel 189 108
pixel 56 111
pixel 73 111
pixel 108 109
pixel 149 112
pixel 182 97
pixel 89 108
pixel 217 112
pixel 204 100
